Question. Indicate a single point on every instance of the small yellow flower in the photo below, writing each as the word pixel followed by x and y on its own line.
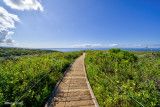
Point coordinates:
pixel 124 93
pixel 32 96
pixel 117 81
pixel 153 104
pixel 11 82
pixel 125 86
pixel 134 84
pixel 131 87
pixel 139 94
pixel 29 91
pixel 12 105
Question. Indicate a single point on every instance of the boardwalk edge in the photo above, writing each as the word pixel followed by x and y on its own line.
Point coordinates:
pixel 89 86
pixel 58 83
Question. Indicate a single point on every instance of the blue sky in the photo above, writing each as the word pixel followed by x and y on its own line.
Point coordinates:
pixel 82 23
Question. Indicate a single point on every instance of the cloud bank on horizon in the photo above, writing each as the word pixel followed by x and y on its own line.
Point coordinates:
pixel 114 45
pixel 7 20
pixel 93 45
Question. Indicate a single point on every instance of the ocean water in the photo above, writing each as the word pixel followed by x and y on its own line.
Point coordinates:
pixel 80 49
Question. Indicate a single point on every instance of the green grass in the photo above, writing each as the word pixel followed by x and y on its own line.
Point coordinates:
pixel 138 73
pixel 17 76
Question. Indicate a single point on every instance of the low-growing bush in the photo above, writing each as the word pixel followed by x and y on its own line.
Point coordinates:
pixel 16 77
pixel 139 76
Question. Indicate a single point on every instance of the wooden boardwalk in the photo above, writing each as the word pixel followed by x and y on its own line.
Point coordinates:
pixel 73 90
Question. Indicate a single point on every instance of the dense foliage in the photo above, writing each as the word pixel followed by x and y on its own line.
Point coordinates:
pixel 137 75
pixel 12 52
pixel 16 77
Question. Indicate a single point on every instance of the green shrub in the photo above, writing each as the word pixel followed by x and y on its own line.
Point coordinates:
pixel 16 77
pixel 139 76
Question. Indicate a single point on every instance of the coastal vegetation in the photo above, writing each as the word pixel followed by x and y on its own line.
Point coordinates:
pixel 14 53
pixel 116 76
pixel 18 76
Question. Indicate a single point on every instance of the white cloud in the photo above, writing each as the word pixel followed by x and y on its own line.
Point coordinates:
pixel 94 45
pixel 155 45
pixel 7 21
pixel 112 45
pixel 24 4
pixel 86 46
pixel 137 45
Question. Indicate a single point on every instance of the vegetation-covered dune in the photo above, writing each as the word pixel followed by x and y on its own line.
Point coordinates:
pixel 17 76
pixel 14 53
pixel 137 73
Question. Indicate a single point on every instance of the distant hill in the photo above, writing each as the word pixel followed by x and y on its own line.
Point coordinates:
pixel 12 51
